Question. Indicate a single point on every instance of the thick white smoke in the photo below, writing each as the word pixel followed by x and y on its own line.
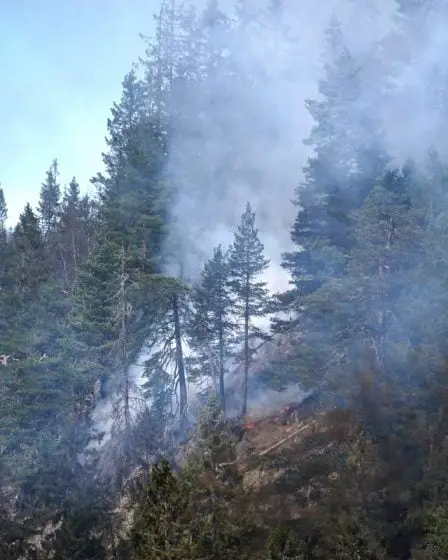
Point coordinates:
pixel 239 143
pixel 241 130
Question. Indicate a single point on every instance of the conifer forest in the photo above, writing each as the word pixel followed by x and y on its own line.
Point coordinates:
pixel 233 343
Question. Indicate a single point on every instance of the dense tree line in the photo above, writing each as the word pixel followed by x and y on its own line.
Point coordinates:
pixel 87 288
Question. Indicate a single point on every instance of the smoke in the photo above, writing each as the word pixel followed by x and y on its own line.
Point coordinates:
pixel 106 417
pixel 240 128
pixel 415 111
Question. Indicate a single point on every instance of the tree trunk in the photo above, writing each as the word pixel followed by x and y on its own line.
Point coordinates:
pixel 222 394
pixel 75 260
pixel 180 365
pixel 124 350
pixel 246 351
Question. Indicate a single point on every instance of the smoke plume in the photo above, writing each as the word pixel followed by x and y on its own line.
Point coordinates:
pixel 240 129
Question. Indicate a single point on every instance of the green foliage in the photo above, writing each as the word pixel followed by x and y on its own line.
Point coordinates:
pixel 161 531
pixel 283 545
pixel 246 264
pixel 3 210
pixel 83 294
pixel 49 203
pixel 29 252
pixel 191 514
pixel 211 329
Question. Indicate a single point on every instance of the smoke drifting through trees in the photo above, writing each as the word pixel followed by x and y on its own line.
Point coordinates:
pixel 239 141
pixel 242 128
pixel 214 118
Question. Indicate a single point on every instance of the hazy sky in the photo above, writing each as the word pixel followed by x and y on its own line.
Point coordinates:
pixel 62 64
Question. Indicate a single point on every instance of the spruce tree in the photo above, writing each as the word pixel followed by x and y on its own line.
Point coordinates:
pixel 348 159
pixel 122 125
pixel 334 140
pixel 246 264
pixel 3 239
pixel 129 216
pixel 49 203
pixel 160 64
pixel 74 232
pixel 29 252
pixel 3 211
pixel 164 520
pixel 133 198
pixel 389 239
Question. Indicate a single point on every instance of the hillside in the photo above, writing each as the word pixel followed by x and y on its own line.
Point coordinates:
pixel 235 346
pixel 302 484
pixel 263 455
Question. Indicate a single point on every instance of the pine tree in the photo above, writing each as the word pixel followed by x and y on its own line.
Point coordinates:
pixel 133 198
pixel 211 328
pixel 333 139
pixel 362 309
pixel 246 264
pixel 162 65
pixel 338 131
pixel 389 238
pixel 191 514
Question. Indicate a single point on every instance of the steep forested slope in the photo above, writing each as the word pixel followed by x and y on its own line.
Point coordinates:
pixel 117 319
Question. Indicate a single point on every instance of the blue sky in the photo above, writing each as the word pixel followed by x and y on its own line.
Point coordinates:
pixel 62 63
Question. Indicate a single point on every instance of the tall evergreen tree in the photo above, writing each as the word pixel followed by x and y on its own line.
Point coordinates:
pixel 161 71
pixel 132 194
pixel 29 252
pixel 3 238
pixel 389 237
pixel 74 232
pixel 211 328
pixel 246 264
pixel 347 162
pixel 3 211
pixel 49 203
pixel 130 216
pixel 170 309
pixel 123 124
